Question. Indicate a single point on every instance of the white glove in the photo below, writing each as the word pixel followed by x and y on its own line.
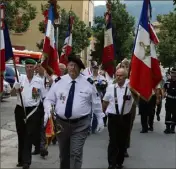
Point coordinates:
pixel 17 85
pixel 100 125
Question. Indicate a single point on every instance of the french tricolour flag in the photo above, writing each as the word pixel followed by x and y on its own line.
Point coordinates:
pixel 67 48
pixel 50 60
pixel 145 70
pixel 6 52
pixel 108 51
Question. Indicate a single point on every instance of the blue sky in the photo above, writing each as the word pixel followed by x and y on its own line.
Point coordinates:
pixel 96 3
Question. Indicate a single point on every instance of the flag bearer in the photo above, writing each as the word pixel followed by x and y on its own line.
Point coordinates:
pixel 170 93
pixel 31 88
pixel 74 97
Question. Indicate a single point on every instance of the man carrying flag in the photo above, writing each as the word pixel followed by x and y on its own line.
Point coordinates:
pixel 108 51
pixel 145 70
pixel 67 48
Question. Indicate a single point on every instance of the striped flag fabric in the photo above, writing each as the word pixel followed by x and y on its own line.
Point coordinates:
pixel 67 48
pixel 6 51
pixel 145 70
pixel 108 51
pixel 50 54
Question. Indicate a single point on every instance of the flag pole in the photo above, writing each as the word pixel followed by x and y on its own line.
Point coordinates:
pixel 19 91
pixel 15 72
pixel 70 32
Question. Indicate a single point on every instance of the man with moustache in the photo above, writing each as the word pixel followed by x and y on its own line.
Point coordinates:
pixel 27 119
pixel 74 97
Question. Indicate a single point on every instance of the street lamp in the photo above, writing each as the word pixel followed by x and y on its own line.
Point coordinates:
pixel 57 22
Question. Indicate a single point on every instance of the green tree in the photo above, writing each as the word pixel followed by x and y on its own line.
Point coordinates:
pixel 123 32
pixel 19 13
pixel 167 37
pixel 81 33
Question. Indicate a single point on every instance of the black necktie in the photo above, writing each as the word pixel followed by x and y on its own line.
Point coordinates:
pixel 69 105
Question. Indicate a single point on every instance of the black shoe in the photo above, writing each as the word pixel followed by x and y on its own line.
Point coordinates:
pixel 144 131
pixel 167 131
pixel 112 167
pixel 26 166
pixel 158 118
pixel 19 165
pixel 126 154
pixel 35 152
pixel 172 131
pixel 119 166
pixel 43 153
pixel 150 129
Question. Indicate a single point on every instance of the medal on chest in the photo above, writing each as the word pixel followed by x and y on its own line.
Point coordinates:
pixel 62 98
pixel 35 93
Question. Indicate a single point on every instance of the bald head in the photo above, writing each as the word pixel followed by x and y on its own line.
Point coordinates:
pixel 121 75
pixel 62 68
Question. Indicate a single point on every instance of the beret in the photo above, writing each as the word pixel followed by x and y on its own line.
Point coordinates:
pixel 30 61
pixel 76 60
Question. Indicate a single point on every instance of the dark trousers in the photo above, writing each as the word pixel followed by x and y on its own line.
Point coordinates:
pixel 170 118
pixel 118 134
pixel 27 133
pixel 105 120
pixel 147 112
pixel 158 108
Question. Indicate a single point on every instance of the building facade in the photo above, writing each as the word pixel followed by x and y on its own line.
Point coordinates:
pixel 83 9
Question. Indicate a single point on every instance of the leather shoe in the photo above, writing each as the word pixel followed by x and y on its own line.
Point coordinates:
pixel 126 154
pixel 144 131
pixel 44 153
pixel 26 166
pixel 119 166
pixel 150 129
pixel 112 167
pixel 35 152
pixel 158 118
pixel 19 165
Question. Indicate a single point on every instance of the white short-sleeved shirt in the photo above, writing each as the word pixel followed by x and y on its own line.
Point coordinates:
pixel 31 91
pixel 109 97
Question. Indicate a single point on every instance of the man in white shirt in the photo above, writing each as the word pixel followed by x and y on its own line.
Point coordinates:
pixel 74 98
pixel 27 120
pixel 118 118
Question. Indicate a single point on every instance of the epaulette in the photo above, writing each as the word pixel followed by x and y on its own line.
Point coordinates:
pixel 57 79
pixel 90 80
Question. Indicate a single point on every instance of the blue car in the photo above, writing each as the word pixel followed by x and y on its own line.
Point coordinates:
pixel 9 75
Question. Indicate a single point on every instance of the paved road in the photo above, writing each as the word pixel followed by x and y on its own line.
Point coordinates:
pixel 151 150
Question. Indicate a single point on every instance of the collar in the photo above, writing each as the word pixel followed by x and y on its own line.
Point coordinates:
pixel 76 80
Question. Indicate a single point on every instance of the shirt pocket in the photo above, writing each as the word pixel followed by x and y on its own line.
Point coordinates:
pixel 84 95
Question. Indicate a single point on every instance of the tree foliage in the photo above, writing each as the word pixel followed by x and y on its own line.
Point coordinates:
pixel 123 32
pixel 19 13
pixel 80 33
pixel 167 37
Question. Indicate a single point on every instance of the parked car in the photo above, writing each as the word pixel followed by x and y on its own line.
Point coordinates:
pixel 9 75
pixel 6 90
pixel 20 68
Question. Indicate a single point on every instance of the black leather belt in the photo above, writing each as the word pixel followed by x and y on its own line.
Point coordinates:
pixel 72 120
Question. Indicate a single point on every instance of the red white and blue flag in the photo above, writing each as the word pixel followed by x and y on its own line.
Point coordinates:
pixel 50 60
pixel 108 51
pixel 6 51
pixel 67 48
pixel 145 70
